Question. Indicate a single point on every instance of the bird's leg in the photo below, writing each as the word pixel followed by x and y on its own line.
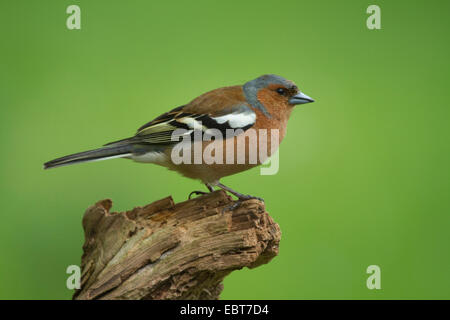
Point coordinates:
pixel 210 188
pixel 237 194
pixel 196 192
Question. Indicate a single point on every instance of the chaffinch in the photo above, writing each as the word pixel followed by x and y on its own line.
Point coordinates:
pixel 224 118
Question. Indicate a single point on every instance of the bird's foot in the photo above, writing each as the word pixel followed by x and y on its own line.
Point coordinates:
pixel 196 192
pixel 244 197
pixel 240 196
pixel 241 199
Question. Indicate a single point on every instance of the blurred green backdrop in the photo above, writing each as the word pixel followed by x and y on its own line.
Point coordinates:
pixel 364 171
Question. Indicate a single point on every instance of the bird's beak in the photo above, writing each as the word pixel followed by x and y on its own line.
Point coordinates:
pixel 300 98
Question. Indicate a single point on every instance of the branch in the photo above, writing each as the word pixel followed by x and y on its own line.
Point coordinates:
pixel 173 251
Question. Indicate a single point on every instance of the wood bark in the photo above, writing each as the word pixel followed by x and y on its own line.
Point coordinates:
pixel 173 251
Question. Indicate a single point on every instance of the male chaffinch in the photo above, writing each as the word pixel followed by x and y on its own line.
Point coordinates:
pixel 263 104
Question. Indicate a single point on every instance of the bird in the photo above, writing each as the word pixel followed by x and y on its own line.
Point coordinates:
pixel 261 105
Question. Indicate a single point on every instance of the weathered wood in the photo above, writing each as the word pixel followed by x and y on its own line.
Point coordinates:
pixel 173 251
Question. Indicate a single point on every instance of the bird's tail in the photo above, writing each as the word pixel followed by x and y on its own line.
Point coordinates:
pixel 104 153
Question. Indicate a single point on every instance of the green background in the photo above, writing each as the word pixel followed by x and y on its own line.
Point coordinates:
pixel 364 171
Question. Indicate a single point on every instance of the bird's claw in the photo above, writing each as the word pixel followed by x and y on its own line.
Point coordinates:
pixel 196 192
pixel 237 203
pixel 232 206
pixel 249 197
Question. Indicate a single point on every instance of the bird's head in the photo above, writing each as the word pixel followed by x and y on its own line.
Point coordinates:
pixel 274 91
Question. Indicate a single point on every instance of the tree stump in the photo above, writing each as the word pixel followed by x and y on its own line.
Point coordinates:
pixel 173 251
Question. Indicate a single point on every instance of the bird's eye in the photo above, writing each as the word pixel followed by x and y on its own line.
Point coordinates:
pixel 281 91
